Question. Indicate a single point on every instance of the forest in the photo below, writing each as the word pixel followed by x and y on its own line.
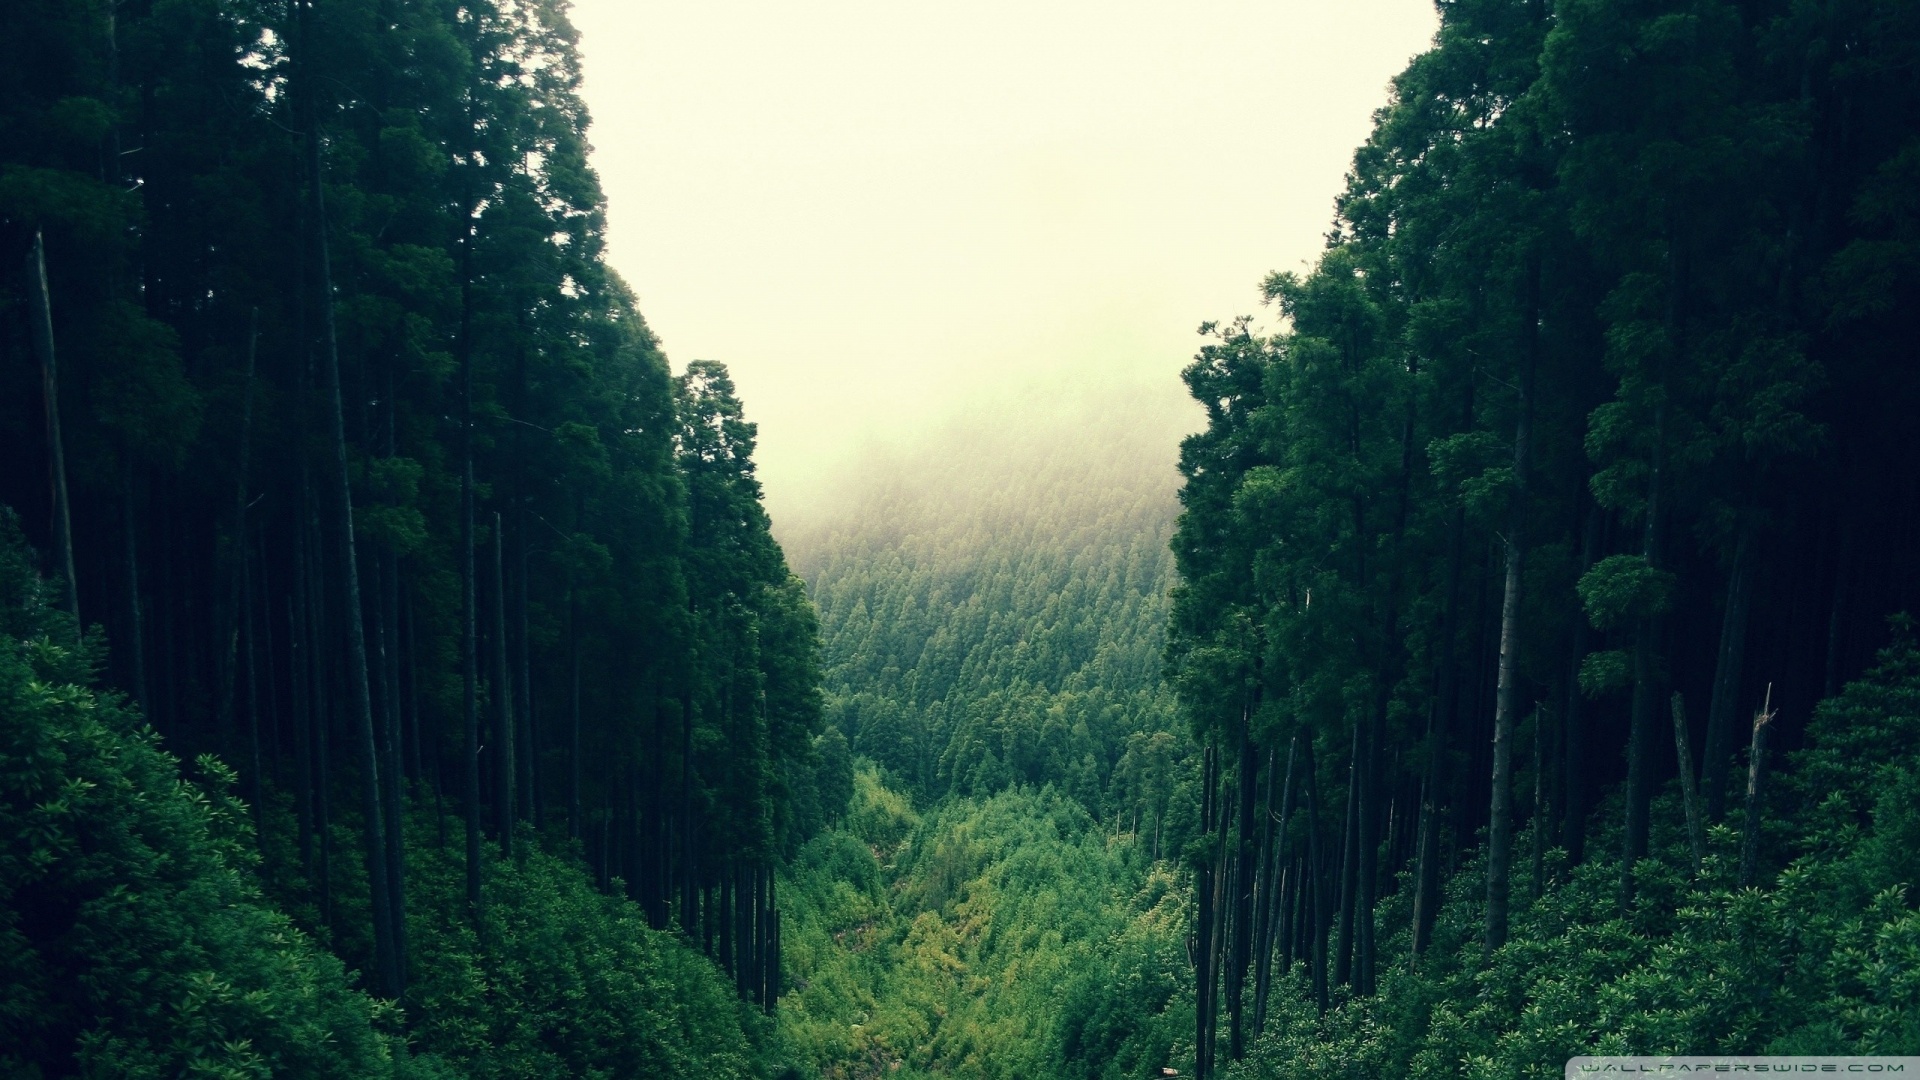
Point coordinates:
pixel 1508 657
pixel 403 653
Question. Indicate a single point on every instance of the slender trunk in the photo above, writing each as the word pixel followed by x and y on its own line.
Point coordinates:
pixel 302 706
pixel 1500 812
pixel 360 696
pixel 469 575
pixel 501 694
pixel 773 943
pixel 1243 870
pixel 1756 753
pixel 1646 662
pixel 1367 866
pixel 1276 890
pixel 1689 795
pixel 573 709
pixel 1316 878
pixel 42 320
pixel 1726 678
pixel 1426 896
pixel 242 547
pixel 686 811
pixel 1349 864
pixel 527 750
pixel 1539 803
pixel 1203 979
pixel 392 778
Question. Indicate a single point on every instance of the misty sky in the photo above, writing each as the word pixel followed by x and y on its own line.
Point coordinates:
pixel 878 214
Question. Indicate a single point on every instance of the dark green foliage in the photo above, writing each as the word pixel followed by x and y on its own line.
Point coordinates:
pixel 1587 416
pixel 1821 960
pixel 133 932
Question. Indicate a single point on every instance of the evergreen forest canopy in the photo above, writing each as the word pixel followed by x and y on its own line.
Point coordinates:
pixel 398 675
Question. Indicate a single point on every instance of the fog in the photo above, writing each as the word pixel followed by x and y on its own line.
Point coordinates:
pixel 897 219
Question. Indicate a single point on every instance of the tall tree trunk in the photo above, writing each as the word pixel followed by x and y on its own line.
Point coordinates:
pixel 42 320
pixel 1203 978
pixel 1539 803
pixel 1316 877
pixel 243 575
pixel 1646 661
pixel 501 694
pixel 360 697
pixel 527 750
pixel 1726 677
pixel 1689 795
pixel 1276 889
pixel 1500 812
pixel 469 579
pixel 1349 864
pixel 1367 866
pixel 1243 871
pixel 573 710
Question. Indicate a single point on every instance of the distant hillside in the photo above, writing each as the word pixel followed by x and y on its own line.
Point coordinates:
pixel 993 602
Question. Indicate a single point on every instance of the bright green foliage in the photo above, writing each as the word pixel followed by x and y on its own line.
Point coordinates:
pixel 1009 935
pixel 1824 958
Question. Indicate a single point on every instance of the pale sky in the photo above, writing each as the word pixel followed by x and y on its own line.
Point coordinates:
pixel 881 214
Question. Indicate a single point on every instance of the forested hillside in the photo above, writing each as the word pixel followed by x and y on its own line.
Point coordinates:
pixel 355 479
pixel 993 600
pixel 1516 567
pixel 1001 899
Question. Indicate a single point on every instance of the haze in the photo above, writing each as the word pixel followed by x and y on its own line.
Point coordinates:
pixel 884 217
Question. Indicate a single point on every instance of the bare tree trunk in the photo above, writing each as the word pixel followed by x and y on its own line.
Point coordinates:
pixel 1689 795
pixel 1756 752
pixel 1726 678
pixel 42 320
pixel 1500 812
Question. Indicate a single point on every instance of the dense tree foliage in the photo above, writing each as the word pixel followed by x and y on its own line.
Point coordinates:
pixel 1581 440
pixel 363 473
